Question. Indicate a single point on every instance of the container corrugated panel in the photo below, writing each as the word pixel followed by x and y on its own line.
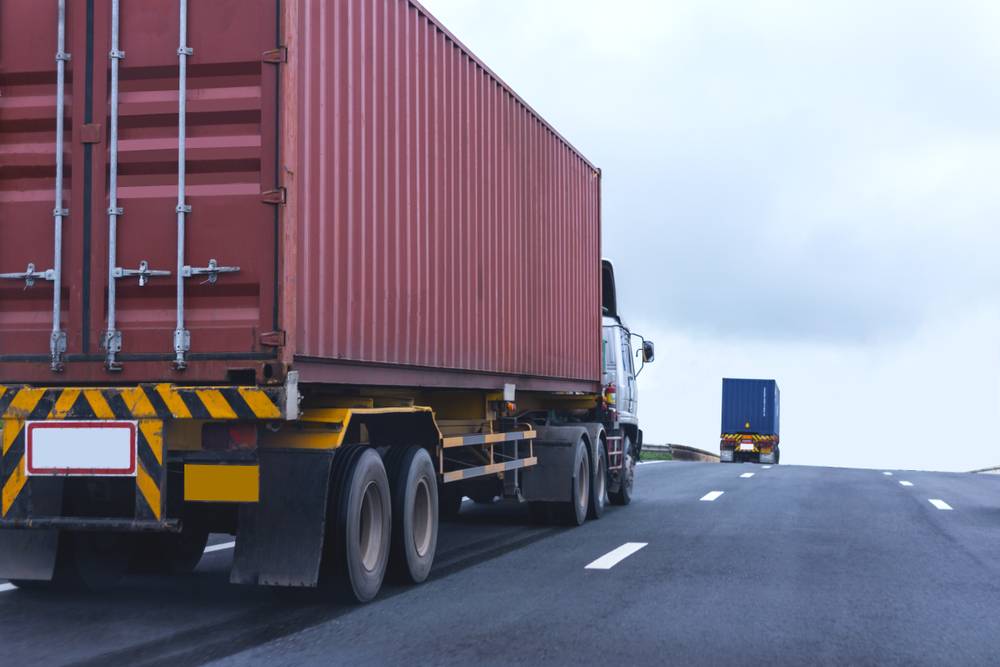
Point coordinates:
pixel 751 406
pixel 442 224
pixel 433 222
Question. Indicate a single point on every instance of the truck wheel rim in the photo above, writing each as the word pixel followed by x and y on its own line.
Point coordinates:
pixel 583 482
pixel 600 480
pixel 422 518
pixel 370 533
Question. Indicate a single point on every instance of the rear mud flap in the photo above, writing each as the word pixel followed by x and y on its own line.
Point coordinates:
pixel 30 553
pixel 550 480
pixel 279 540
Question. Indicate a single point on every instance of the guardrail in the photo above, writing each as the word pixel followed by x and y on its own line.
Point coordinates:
pixel 995 470
pixel 683 452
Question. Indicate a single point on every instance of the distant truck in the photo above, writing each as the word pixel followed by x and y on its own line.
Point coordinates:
pixel 751 418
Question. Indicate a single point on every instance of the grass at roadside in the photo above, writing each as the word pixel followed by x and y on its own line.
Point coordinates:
pixel 656 456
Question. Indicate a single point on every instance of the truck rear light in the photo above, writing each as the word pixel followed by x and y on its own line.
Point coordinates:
pixel 228 436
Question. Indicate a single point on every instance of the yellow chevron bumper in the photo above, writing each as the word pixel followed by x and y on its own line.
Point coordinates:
pixel 148 405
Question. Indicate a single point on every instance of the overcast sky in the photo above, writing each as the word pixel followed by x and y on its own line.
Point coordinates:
pixel 805 191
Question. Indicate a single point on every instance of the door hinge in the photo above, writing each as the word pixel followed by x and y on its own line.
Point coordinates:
pixel 275 56
pixel 273 339
pixel 278 196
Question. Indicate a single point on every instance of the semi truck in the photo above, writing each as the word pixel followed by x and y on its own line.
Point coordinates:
pixel 304 272
pixel 751 420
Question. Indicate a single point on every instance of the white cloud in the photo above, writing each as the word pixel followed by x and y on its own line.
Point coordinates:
pixel 816 183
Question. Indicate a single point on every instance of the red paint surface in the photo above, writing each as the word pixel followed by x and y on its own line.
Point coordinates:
pixel 442 223
pixel 434 221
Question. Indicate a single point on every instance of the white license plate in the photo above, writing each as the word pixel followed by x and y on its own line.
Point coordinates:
pixel 746 446
pixel 91 448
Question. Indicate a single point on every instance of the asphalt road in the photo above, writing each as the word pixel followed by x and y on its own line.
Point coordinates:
pixel 791 565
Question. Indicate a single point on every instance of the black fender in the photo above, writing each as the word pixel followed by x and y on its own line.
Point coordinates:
pixel 554 448
pixel 279 541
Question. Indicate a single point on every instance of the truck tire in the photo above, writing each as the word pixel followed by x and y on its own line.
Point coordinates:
pixel 415 510
pixel 359 524
pixel 599 485
pixel 623 496
pixel 574 512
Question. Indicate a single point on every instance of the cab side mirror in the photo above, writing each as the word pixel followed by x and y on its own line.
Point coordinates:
pixel 647 351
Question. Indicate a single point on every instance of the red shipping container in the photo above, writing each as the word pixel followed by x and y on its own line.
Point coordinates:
pixel 397 215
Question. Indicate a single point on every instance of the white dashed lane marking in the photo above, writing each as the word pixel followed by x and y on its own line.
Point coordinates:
pixel 765 467
pixel 903 482
pixel 887 473
pixel 612 558
pixel 7 587
pixel 938 503
pixel 712 495
pixel 747 475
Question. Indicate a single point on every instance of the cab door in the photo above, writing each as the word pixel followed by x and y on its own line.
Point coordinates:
pixel 629 401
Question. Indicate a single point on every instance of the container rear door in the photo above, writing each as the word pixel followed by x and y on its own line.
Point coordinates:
pixel 231 139
pixel 231 156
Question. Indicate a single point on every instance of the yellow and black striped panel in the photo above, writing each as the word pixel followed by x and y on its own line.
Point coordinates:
pixel 755 437
pixel 160 401
pixel 16 485
pixel 149 405
pixel 150 473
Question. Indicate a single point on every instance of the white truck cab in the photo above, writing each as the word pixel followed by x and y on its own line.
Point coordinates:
pixel 623 356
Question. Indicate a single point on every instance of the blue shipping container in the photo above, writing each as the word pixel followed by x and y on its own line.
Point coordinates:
pixel 750 406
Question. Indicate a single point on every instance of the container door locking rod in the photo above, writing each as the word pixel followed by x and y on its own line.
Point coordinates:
pixel 57 341
pixel 182 337
pixel 113 337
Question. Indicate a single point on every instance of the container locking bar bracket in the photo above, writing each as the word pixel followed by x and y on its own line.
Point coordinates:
pixel 212 271
pixel 30 275
pixel 144 273
pixel 182 337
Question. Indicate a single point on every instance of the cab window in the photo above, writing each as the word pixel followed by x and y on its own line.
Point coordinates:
pixel 627 354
